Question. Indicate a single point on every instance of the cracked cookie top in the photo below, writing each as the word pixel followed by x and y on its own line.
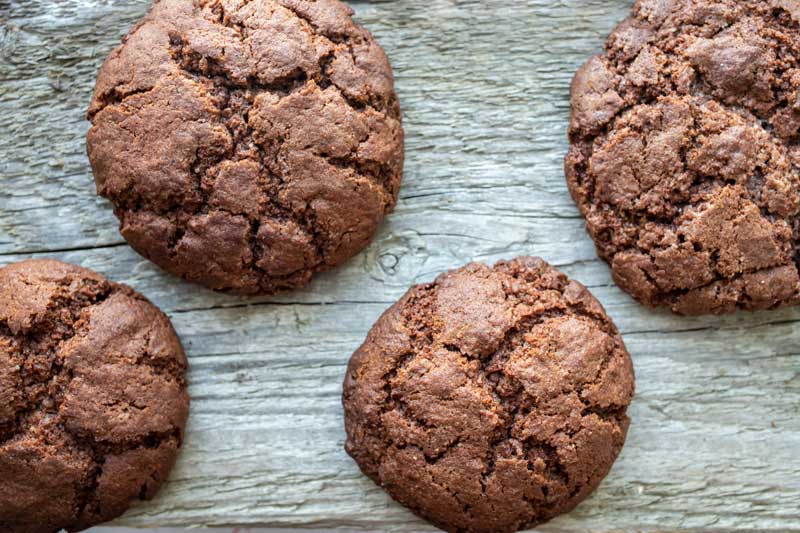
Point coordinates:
pixel 492 399
pixel 246 144
pixel 93 399
pixel 685 153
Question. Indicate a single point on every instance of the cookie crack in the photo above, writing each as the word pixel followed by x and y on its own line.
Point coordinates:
pixel 742 296
pixel 549 454
pixel 377 172
pixel 310 23
pixel 446 449
pixel 100 451
pixel 168 368
pixel 150 440
pixel 114 97
pixel 609 250
pixel 391 401
pixel 29 342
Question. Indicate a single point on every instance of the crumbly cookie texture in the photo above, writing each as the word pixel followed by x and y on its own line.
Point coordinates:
pixel 247 144
pixel 684 154
pixel 93 399
pixel 492 399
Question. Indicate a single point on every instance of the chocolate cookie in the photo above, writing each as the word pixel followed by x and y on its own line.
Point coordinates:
pixel 492 399
pixel 685 153
pixel 93 398
pixel 246 144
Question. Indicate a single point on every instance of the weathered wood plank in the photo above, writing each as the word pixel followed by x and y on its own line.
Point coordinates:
pixel 484 89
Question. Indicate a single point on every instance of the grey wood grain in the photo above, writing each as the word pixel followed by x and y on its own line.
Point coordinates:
pixel 484 86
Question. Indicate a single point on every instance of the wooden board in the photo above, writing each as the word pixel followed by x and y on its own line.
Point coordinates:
pixel 484 87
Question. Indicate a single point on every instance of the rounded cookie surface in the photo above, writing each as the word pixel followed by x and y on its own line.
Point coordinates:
pixel 93 400
pixel 246 144
pixel 684 154
pixel 492 399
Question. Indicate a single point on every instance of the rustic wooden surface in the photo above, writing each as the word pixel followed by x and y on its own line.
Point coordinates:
pixel 715 439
